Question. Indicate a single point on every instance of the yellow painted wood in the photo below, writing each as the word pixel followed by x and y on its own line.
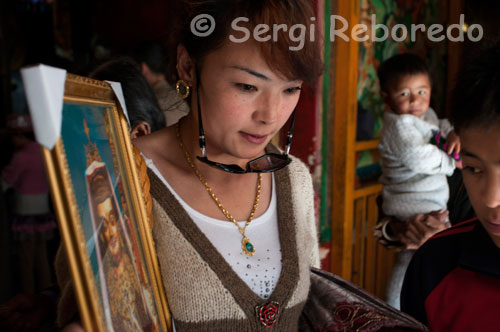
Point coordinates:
pixel 357 247
pixel 355 254
pixel 366 191
pixel 371 244
pixel 344 135
pixel 366 145
pixel 455 8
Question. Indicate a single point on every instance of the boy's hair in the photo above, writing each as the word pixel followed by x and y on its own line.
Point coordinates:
pixel 398 66
pixel 476 96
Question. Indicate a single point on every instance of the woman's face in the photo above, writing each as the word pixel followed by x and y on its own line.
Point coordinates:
pixel 244 103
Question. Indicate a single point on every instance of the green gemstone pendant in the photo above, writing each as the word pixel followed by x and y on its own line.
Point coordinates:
pixel 247 246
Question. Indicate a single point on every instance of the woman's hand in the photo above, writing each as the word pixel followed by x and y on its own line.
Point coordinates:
pixel 418 229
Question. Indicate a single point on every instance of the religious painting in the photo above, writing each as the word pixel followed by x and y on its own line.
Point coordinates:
pixel 102 215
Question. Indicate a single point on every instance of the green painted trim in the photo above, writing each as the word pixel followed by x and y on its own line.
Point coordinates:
pixel 324 225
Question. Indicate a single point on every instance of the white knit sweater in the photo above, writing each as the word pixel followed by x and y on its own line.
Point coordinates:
pixel 413 170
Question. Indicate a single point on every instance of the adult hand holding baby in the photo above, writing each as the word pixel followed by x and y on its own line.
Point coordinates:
pixel 421 227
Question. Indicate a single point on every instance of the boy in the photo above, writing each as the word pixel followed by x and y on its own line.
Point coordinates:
pixel 413 169
pixel 453 281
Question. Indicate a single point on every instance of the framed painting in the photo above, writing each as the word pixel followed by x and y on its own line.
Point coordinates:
pixel 102 215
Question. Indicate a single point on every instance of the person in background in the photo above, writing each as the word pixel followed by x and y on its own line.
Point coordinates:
pixel 413 169
pixel 152 59
pixel 33 222
pixel 142 107
pixel 453 280
pixel 33 226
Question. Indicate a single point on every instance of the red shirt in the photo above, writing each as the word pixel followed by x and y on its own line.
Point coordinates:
pixel 453 281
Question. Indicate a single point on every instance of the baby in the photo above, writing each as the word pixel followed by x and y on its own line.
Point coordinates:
pixel 414 169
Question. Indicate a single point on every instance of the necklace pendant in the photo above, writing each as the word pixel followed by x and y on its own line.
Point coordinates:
pixel 247 246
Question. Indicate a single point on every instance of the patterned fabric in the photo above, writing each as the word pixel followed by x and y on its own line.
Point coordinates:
pixel 335 304
pixel 27 226
pixel 440 141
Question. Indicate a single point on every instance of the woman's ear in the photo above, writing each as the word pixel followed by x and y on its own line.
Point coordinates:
pixel 185 65
pixel 141 129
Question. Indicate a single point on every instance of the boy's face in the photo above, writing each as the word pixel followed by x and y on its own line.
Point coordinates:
pixel 481 172
pixel 410 94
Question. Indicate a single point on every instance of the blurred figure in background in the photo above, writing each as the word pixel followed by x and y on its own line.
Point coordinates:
pixel 33 223
pixel 152 59
pixel 142 106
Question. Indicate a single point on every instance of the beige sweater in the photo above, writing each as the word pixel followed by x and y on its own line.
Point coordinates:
pixel 203 292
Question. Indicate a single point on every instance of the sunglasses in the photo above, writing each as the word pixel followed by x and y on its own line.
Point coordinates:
pixel 270 162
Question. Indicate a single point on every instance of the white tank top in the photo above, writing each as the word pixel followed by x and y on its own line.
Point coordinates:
pixel 260 271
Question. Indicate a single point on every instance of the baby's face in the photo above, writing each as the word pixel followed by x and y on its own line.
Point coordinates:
pixel 411 94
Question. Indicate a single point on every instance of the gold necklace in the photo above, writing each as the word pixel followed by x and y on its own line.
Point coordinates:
pixel 247 246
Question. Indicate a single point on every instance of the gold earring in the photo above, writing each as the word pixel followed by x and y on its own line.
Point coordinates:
pixel 182 87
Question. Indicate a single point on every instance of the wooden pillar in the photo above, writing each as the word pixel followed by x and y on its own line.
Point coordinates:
pixel 344 108
pixel 455 8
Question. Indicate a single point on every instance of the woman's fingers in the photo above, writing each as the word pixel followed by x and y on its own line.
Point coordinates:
pixel 424 226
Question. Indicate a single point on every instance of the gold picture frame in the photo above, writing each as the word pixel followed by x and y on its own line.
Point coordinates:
pixel 102 215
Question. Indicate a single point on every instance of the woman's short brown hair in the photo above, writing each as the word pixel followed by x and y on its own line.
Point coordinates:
pixel 302 64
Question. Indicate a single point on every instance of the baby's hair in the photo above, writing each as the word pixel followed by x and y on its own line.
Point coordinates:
pixel 476 96
pixel 398 66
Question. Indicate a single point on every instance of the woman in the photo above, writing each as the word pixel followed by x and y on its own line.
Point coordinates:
pixel 235 250
pixel 219 275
